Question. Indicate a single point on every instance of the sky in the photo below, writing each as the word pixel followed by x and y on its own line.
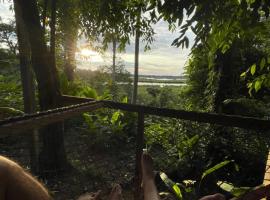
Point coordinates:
pixel 162 59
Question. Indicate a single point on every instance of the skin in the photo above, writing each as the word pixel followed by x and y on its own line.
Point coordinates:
pixel 148 178
pixel 16 183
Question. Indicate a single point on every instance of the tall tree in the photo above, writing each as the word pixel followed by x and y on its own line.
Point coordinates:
pixel 53 153
pixel 53 31
pixel 27 79
pixel 7 36
pixel 136 67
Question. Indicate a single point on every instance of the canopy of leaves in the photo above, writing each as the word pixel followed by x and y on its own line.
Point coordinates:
pixel 115 20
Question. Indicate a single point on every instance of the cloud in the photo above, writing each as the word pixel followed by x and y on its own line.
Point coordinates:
pixel 162 59
pixel 6 13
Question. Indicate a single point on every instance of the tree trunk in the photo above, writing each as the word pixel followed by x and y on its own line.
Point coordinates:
pixel 28 87
pixel 52 38
pixel 44 15
pixel 136 67
pixel 224 84
pixel 114 60
pixel 53 155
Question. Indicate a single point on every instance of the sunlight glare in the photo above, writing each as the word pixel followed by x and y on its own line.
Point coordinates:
pixel 86 54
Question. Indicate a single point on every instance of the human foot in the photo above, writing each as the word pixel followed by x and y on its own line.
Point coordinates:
pixel 116 193
pixel 147 167
pixel 90 196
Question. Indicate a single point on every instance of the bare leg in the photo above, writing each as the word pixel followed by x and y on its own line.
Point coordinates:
pixel 116 193
pixel 149 187
pixel 17 184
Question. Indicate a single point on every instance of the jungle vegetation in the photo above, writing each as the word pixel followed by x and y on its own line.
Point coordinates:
pixel 228 72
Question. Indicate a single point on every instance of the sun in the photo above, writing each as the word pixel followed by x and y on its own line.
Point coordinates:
pixel 88 52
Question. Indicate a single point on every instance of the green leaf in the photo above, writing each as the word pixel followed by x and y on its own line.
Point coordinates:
pixel 192 141
pixel 250 1
pixel 125 99
pixel 262 63
pixel 177 191
pixel 225 47
pixel 258 85
pixel 216 167
pixel 171 185
pixel 243 74
pixel 253 69
pixel 228 187
pixel 235 191
pixel 115 117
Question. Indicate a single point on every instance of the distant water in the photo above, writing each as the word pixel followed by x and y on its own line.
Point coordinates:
pixel 155 84
pixel 165 79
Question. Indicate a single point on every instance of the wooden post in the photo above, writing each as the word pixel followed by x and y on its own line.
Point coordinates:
pixel 138 193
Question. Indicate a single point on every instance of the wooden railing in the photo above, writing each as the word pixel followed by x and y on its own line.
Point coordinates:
pixel 15 125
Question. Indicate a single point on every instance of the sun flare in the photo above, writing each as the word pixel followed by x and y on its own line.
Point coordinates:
pixel 88 52
pixel 87 55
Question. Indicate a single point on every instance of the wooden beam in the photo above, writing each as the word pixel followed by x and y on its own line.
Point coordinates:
pixel 67 100
pixel 40 119
pixel 37 120
pixel 212 118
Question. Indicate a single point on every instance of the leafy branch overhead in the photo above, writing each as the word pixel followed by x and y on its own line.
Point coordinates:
pixel 209 18
pixel 116 20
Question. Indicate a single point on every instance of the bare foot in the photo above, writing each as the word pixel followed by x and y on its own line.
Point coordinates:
pixel 147 167
pixel 90 196
pixel 116 193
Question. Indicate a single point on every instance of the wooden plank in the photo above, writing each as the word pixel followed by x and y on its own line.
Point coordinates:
pixel 37 120
pixel 212 118
pixel 266 179
pixel 139 150
pixel 267 176
pixel 67 100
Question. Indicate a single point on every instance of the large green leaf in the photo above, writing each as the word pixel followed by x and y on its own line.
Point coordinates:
pixel 115 117
pixel 258 85
pixel 235 191
pixel 215 168
pixel 253 69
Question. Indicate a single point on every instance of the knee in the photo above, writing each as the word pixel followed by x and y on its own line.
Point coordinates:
pixel 7 168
